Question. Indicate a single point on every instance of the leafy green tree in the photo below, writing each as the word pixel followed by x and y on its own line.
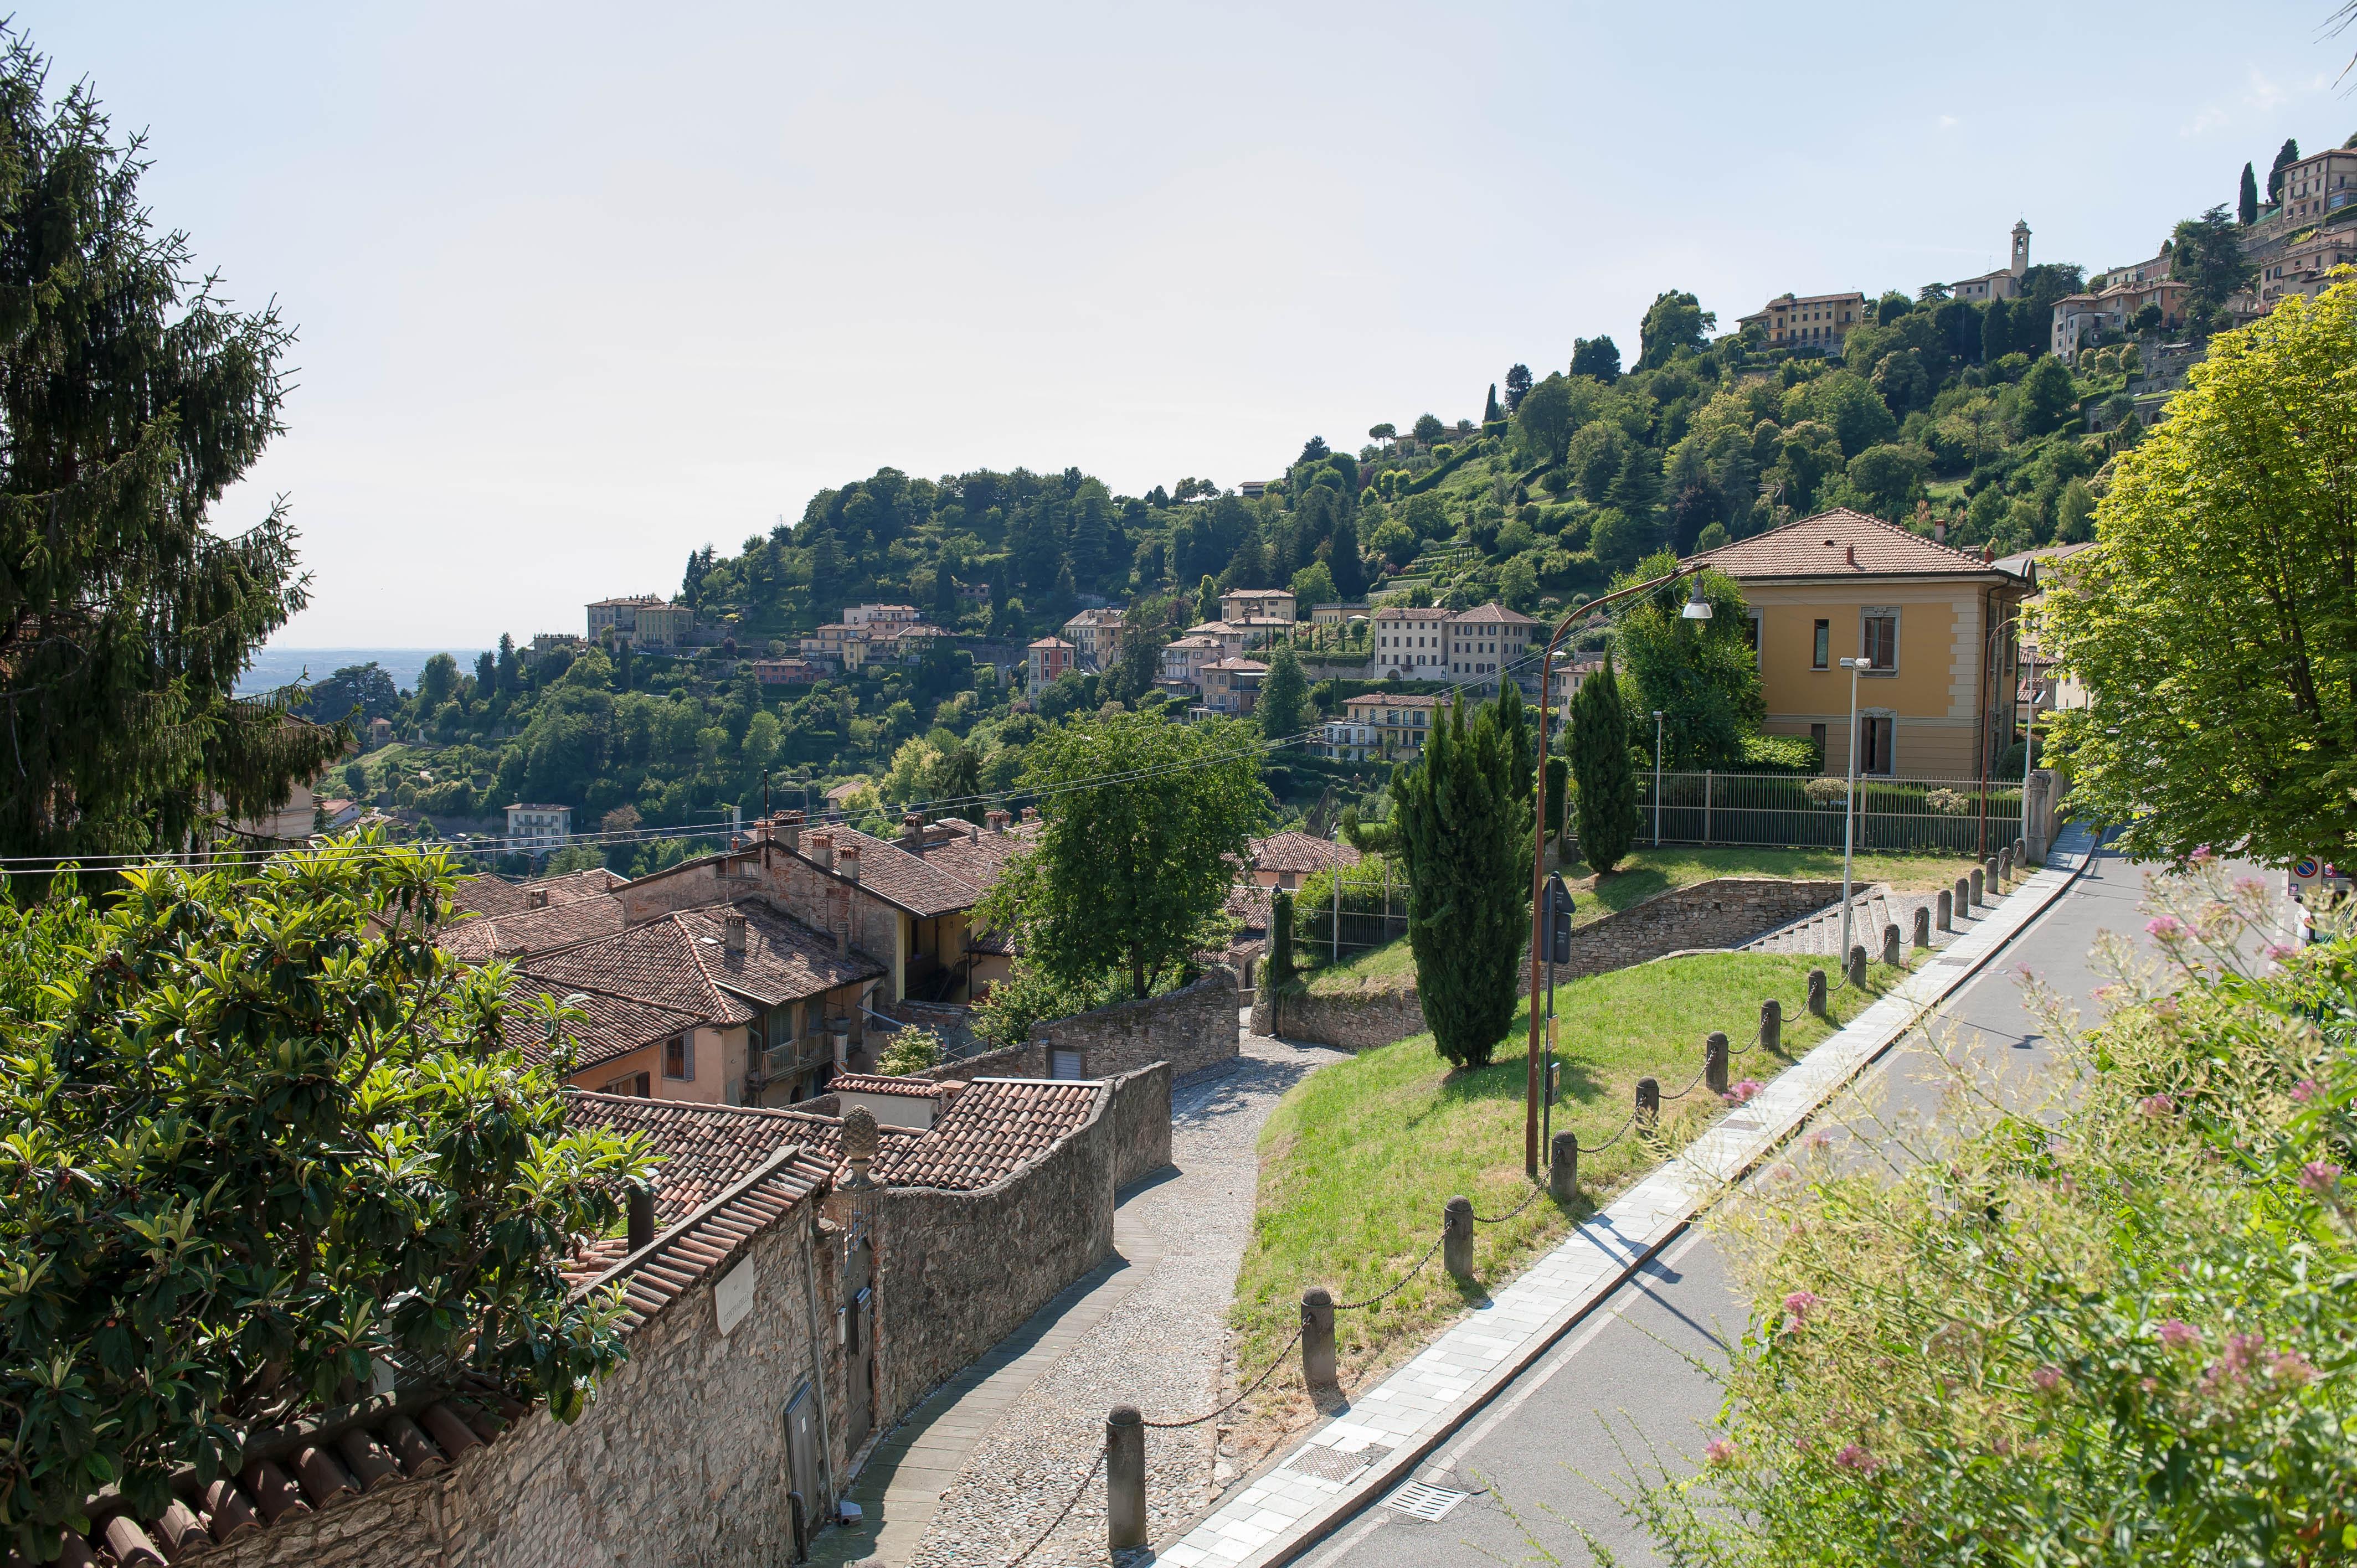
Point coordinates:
pixel 132 397
pixel 1314 585
pixel 1131 873
pixel 1139 664
pixel 1675 320
pixel 356 695
pixel 1605 803
pixel 1700 675
pixel 2246 204
pixel 2047 396
pixel 1543 423
pixel 2286 155
pixel 1996 331
pixel 2074 513
pixel 2214 620
pixel 437 681
pixel 1637 488
pixel 1384 432
pixel 1618 540
pixel 263 1133
pixel 1429 428
pixel 2209 258
pixel 1849 405
pixel 1460 828
pixel 1518 382
pixel 1888 478
pixel 1207 600
pixel 1281 968
pixel 1283 711
pixel 1597 357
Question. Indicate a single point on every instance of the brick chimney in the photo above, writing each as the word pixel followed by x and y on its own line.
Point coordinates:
pixel 994 820
pixel 732 932
pixel 912 832
pixel 535 898
pixel 788 827
pixel 1851 551
pixel 846 861
pixel 1030 813
pixel 822 848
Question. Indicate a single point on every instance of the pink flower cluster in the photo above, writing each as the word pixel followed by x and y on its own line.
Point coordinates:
pixel 2156 1106
pixel 2048 1379
pixel 2305 1089
pixel 2166 928
pixel 1718 1451
pixel 2176 1333
pixel 1853 1457
pixel 1742 1092
pixel 1798 1306
pixel 2320 1175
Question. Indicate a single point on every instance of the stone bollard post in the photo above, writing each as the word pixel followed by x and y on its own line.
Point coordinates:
pixel 1923 925
pixel 1992 881
pixel 1457 1238
pixel 1563 1170
pixel 1648 1102
pixel 2021 851
pixel 1890 943
pixel 1714 1060
pixel 1817 991
pixel 1947 911
pixel 1124 1478
pixel 1980 892
pixel 2005 864
pixel 1858 966
pixel 1771 1026
pixel 1317 1338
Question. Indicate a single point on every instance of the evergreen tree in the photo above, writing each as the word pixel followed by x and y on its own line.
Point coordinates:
pixel 1997 332
pixel 1597 356
pixel 2209 257
pixel 2286 155
pixel 1284 705
pixel 510 676
pixel 1518 382
pixel 1636 491
pixel 131 400
pixel 1349 567
pixel 1207 600
pixel 1604 813
pixel 2246 206
pixel 1490 414
pixel 1522 760
pixel 1280 938
pixel 1556 771
pixel 1467 898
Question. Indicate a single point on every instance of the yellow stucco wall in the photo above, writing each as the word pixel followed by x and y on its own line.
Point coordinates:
pixel 1933 697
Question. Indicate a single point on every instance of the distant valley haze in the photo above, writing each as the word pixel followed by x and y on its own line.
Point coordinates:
pixel 581 289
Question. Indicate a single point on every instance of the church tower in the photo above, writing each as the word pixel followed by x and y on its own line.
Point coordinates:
pixel 2020 247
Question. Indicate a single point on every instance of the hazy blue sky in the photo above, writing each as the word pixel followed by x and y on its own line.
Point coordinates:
pixel 582 287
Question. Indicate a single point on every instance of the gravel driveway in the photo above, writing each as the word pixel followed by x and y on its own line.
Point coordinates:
pixel 1161 1348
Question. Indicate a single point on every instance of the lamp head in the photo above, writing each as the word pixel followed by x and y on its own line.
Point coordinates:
pixel 1852 664
pixel 1698 607
pixel 1657 715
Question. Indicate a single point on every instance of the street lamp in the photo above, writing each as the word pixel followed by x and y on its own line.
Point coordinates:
pixel 1657 775
pixel 1698 607
pixel 1849 804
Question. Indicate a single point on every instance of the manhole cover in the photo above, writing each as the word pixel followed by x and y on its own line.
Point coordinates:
pixel 1430 1504
pixel 1328 1465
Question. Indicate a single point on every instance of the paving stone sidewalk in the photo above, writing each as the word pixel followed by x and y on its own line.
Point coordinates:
pixel 980 1472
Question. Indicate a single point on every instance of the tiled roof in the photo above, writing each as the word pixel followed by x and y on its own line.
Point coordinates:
pixel 1250 903
pixel 705 1240
pixel 1410 612
pixel 1842 543
pixel 703 1150
pixel 617 1025
pixel 1485 615
pixel 681 961
pixel 1300 853
pixel 1395 700
pixel 498 895
pixel 877 1083
pixel 1239 665
pixel 991 1130
pixel 528 931
pixel 913 882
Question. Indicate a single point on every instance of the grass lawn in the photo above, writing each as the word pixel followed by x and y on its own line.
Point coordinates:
pixel 1358 1159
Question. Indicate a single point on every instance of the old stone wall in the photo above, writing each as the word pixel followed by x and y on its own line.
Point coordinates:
pixel 960 1270
pixel 1725 912
pixel 1141 1124
pixel 953 1024
pixel 817 898
pixel 1193 1028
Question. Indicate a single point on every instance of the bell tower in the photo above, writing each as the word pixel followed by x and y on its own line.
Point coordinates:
pixel 2020 247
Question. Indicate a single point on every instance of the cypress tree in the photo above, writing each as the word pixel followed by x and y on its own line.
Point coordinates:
pixel 1343 560
pixel 1606 811
pixel 1280 938
pixel 2246 207
pixel 1557 770
pixel 1283 708
pixel 1467 899
pixel 1997 332
pixel 1490 412
pixel 2286 155
pixel 1522 760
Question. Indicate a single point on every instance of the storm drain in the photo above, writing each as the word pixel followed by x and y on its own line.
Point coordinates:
pixel 1430 1504
pixel 1329 1465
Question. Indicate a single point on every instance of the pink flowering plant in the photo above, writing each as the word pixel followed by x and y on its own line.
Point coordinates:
pixel 2110 1321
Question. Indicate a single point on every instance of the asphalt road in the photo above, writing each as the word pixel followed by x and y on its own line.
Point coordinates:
pixel 1545 1460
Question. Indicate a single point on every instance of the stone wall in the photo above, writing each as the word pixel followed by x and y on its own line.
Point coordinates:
pixel 955 1024
pixel 1725 912
pixel 1193 1028
pixel 1141 1124
pixel 680 1458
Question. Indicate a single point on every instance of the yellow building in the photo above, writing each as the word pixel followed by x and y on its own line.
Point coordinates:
pixel 1930 619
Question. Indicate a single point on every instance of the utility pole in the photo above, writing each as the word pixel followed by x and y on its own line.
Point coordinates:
pixel 1657 777
pixel 1337 956
pixel 1849 806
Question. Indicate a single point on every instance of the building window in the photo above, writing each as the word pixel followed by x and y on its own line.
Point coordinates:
pixel 1875 739
pixel 1752 621
pixel 1817 739
pixel 1879 640
pixel 1821 650
pixel 679 1057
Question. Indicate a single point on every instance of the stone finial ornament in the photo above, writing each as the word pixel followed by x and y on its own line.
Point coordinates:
pixel 859 1142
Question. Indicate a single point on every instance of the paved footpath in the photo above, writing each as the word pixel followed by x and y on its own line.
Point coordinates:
pixel 982 1469
pixel 1385 1436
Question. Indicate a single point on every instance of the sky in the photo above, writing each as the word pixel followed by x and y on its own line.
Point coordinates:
pixel 582 288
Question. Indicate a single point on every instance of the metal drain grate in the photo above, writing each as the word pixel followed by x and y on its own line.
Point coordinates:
pixel 1329 1465
pixel 1430 1504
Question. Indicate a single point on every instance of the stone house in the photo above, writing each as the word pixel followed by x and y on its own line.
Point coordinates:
pixel 1817 322
pixel 1485 643
pixel 1095 636
pixel 1937 625
pixel 1183 659
pixel 1409 644
pixel 1380 725
pixel 1231 687
pixel 1258 604
pixel 2005 283
pixel 1284 860
pixel 1045 660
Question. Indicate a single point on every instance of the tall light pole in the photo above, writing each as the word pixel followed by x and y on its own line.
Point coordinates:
pixel 1657 777
pixel 1849 805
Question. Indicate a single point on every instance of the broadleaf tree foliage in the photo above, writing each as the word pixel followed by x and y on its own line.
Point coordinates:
pixel 259 1135
pixel 132 394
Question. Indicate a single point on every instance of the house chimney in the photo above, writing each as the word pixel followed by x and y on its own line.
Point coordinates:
pixel 994 820
pixel 641 1207
pixel 790 828
pixel 732 932
pixel 822 848
pixel 1939 531
pixel 1030 813
pixel 912 832
pixel 535 898
pixel 1851 551
pixel 1988 552
pixel 846 861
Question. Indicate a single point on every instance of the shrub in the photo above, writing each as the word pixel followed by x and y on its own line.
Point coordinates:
pixel 912 1050
pixel 1826 791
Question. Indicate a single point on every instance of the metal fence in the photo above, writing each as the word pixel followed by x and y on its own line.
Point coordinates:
pixel 1372 910
pixel 1777 810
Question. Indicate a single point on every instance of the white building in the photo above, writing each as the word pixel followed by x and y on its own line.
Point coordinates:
pixel 2003 283
pixel 1411 643
pixel 536 827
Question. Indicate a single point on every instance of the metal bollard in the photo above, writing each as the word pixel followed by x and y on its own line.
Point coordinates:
pixel 1947 911
pixel 1714 1060
pixel 1817 991
pixel 1923 925
pixel 1890 943
pixel 1317 1338
pixel 1771 1026
pixel 1648 1102
pixel 1563 1171
pixel 1124 1478
pixel 1457 1238
pixel 1980 892
pixel 2005 864
pixel 1858 966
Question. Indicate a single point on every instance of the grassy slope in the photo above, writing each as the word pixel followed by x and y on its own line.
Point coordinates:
pixel 1358 1161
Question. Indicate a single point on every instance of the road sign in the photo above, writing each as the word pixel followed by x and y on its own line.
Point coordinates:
pixel 2312 876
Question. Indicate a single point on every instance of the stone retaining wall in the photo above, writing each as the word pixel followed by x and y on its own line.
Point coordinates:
pixel 1725 912
pixel 1192 1028
pixel 1141 1118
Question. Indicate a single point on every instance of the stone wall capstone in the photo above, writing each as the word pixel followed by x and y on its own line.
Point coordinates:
pixel 1193 1028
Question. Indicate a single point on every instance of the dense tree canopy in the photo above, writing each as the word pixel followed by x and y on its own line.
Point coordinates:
pixel 1462 829
pixel 1701 675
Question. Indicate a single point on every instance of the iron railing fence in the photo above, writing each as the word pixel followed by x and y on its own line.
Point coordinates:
pixel 1763 811
pixel 1372 909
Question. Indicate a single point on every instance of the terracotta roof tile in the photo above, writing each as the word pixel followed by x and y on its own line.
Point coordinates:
pixel 701 1150
pixel 528 932
pixel 877 1083
pixel 617 1025
pixel 1491 613
pixel 498 895
pixel 993 1129
pixel 1842 543
pixel 913 882
pixel 682 961
pixel 1299 852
